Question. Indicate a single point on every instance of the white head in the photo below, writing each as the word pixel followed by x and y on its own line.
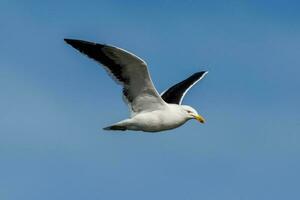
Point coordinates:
pixel 191 113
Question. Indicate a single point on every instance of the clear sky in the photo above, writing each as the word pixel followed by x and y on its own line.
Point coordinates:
pixel 54 102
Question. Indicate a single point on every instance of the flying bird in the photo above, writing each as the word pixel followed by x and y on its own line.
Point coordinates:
pixel 150 111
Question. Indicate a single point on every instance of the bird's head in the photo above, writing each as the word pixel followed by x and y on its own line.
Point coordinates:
pixel 191 113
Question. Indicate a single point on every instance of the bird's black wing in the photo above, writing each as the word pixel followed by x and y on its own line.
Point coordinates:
pixel 176 93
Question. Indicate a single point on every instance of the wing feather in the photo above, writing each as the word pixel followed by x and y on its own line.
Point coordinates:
pixel 176 93
pixel 126 69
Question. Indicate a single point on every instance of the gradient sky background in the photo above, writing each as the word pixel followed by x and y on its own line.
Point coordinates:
pixel 54 101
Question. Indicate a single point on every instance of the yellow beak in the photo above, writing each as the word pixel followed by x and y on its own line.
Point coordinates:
pixel 199 118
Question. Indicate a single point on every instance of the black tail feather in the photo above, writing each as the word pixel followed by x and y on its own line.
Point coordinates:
pixel 115 128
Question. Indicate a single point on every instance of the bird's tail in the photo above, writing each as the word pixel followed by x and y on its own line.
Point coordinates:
pixel 115 128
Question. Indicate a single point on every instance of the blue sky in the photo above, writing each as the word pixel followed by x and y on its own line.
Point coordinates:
pixel 54 101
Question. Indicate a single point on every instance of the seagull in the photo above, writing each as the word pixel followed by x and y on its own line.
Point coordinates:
pixel 150 111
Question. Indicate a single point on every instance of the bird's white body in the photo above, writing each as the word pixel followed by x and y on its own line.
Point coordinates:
pixel 170 117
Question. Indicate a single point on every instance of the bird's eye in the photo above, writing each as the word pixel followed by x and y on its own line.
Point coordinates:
pixel 189 112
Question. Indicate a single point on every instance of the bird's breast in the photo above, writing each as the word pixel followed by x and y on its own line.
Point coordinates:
pixel 158 120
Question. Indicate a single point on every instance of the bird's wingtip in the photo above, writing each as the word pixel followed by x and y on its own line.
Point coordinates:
pixel 201 73
pixel 78 43
pixel 69 41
